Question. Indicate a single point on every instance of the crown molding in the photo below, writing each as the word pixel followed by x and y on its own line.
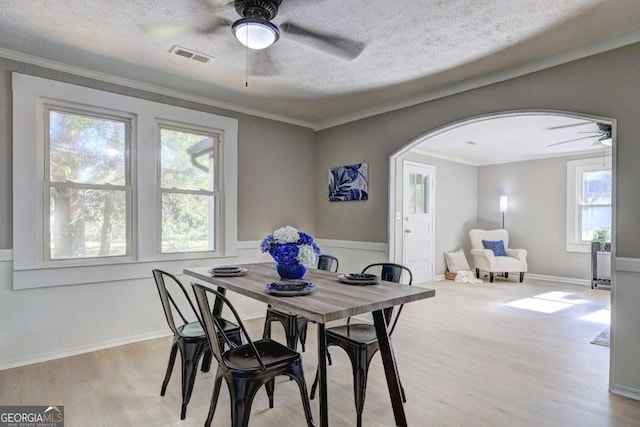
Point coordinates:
pixel 148 87
pixel 619 40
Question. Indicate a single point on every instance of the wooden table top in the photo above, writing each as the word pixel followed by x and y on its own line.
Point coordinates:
pixel 331 300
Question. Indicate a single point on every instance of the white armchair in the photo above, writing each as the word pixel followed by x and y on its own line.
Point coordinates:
pixel 515 260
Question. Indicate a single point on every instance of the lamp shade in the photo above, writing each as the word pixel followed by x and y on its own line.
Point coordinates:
pixel 504 203
pixel 255 33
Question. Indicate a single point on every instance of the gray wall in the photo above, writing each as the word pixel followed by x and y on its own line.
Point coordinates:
pixel 273 190
pixel 603 85
pixel 456 205
pixel 537 215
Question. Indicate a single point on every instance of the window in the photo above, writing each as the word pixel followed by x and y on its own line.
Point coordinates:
pixel 109 186
pixel 589 201
pixel 418 193
pixel 188 186
pixel 87 185
pixel 594 209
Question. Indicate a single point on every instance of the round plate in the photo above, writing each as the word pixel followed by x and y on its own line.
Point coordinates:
pixel 228 271
pixel 361 276
pixel 344 279
pixel 289 288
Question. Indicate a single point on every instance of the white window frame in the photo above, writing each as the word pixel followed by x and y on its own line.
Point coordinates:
pixel 215 230
pixel 575 169
pixel 127 187
pixel 30 268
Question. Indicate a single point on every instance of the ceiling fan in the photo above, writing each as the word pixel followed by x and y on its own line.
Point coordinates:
pixel 602 135
pixel 256 30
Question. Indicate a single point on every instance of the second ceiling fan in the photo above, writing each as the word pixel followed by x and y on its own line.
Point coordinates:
pixel 602 135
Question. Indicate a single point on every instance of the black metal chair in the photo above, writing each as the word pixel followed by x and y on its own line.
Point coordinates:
pixel 295 326
pixel 360 340
pixel 247 367
pixel 189 338
pixel 327 262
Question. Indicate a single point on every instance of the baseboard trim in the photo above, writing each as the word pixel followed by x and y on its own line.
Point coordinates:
pixel 14 363
pixel 623 391
pixel 547 278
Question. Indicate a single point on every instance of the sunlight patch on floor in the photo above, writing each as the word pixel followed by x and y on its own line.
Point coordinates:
pixel 600 316
pixel 549 302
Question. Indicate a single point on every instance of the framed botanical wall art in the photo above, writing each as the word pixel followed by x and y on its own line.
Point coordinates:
pixel 350 182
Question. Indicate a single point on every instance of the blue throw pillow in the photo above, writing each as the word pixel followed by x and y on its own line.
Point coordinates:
pixel 497 246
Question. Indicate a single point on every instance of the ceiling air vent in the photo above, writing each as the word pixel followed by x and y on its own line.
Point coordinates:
pixel 190 54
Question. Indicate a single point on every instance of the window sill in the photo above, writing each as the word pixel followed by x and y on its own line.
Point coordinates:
pixel 64 275
pixel 579 247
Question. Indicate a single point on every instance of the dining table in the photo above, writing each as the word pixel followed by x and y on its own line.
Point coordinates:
pixel 330 300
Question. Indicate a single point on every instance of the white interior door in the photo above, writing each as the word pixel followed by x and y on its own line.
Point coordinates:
pixel 418 220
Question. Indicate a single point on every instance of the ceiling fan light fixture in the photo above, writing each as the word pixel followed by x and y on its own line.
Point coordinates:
pixel 255 33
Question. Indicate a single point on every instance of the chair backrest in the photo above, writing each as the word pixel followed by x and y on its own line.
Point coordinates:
pixel 391 272
pixel 327 262
pixel 169 302
pixel 212 327
pixel 477 236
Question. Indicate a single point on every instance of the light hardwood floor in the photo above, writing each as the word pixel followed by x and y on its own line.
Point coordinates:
pixel 465 359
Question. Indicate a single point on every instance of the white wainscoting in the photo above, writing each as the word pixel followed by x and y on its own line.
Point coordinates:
pixel 54 322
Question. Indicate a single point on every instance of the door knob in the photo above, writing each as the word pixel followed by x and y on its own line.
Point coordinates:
pixel 407 231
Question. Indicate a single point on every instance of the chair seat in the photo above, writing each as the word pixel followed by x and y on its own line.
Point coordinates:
pixel 508 264
pixel 191 330
pixel 272 353
pixel 226 325
pixel 195 330
pixel 358 333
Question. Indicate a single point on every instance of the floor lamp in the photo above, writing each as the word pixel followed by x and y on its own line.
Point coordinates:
pixel 504 206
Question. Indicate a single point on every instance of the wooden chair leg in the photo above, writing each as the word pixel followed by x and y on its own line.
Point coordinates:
pixel 477 273
pixel 490 277
pixel 521 276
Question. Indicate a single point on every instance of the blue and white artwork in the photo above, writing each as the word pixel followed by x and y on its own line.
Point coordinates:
pixel 350 182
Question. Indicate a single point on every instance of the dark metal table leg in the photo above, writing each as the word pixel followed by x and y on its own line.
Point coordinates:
pixel 390 369
pixel 322 376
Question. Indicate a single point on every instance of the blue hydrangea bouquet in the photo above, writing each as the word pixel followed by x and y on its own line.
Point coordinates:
pixel 292 250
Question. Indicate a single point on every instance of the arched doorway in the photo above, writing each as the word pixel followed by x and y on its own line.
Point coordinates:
pixel 489 217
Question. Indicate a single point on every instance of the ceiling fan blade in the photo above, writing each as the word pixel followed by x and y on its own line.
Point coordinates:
pixel 569 126
pixel 215 25
pixel 261 63
pixel 218 2
pixel 332 44
pixel 571 140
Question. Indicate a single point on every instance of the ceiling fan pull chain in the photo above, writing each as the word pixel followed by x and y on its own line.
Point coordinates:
pixel 246 62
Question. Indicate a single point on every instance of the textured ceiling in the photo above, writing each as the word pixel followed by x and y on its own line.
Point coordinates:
pixel 516 137
pixel 412 47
